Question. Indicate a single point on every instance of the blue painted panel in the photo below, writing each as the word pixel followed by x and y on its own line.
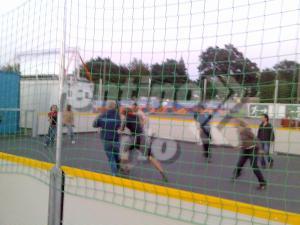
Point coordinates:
pixel 9 99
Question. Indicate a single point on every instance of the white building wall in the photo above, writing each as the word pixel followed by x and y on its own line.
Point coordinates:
pixel 37 96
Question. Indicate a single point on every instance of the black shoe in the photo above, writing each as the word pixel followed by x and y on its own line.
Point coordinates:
pixel 261 187
pixel 124 172
pixel 208 160
pixel 235 175
pixel 271 164
pixel 164 177
pixel 233 178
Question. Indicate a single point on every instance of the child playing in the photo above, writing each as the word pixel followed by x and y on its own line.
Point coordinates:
pixel 52 118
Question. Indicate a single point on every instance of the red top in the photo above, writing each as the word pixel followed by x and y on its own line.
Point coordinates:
pixel 52 118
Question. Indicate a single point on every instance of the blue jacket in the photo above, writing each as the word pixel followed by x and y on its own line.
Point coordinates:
pixel 203 120
pixel 109 122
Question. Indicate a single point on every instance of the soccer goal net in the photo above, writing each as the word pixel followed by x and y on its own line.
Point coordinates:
pixel 151 112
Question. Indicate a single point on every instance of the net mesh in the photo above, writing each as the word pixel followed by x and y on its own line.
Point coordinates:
pixel 170 93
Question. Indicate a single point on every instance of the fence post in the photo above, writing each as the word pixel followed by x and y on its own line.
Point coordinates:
pixel 26 128
pixel 275 101
pixel 204 90
pixel 56 186
pixel 275 108
pixel 100 89
pixel 34 123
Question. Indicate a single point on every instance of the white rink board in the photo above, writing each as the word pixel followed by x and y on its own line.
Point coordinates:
pixel 132 207
pixel 24 195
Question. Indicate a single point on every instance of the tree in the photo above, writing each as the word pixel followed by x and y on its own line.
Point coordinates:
pixel 137 71
pixel 11 68
pixel 267 75
pixel 170 71
pixel 229 65
pixel 287 74
pixel 267 85
pixel 105 69
pixel 109 72
pixel 287 70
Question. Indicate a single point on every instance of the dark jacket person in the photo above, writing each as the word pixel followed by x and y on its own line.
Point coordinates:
pixel 266 135
pixel 203 118
pixel 248 151
pixel 110 122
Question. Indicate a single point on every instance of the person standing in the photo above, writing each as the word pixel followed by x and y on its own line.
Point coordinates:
pixel 52 118
pixel 68 122
pixel 266 135
pixel 203 118
pixel 110 123
pixel 140 114
pixel 248 151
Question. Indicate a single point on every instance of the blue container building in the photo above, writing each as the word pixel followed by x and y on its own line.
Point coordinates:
pixel 9 102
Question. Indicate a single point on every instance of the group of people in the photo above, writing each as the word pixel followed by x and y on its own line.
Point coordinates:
pixel 68 122
pixel 120 134
pixel 125 130
pixel 251 147
pixel 127 127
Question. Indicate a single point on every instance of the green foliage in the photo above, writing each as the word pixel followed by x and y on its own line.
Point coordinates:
pixel 135 76
pixel 138 73
pixel 229 64
pixel 287 73
pixel 105 69
pixel 266 93
pixel 137 70
pixel 170 71
pixel 11 68
pixel 223 68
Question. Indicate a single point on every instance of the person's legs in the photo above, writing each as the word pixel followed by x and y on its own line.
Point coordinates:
pixel 262 156
pixel 144 147
pixel 47 137
pixel 256 170
pixel 205 148
pixel 109 151
pixel 125 144
pixel 205 137
pixel 142 144
pixel 116 154
pixel 209 147
pixel 52 134
pixel 267 153
pixel 241 162
pixel 70 132
pixel 158 166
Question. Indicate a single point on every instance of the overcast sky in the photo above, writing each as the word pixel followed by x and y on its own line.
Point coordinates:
pixel 266 31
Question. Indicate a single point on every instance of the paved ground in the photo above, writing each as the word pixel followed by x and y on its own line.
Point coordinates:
pixel 188 171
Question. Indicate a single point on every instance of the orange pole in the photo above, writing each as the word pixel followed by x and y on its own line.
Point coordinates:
pixel 88 74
